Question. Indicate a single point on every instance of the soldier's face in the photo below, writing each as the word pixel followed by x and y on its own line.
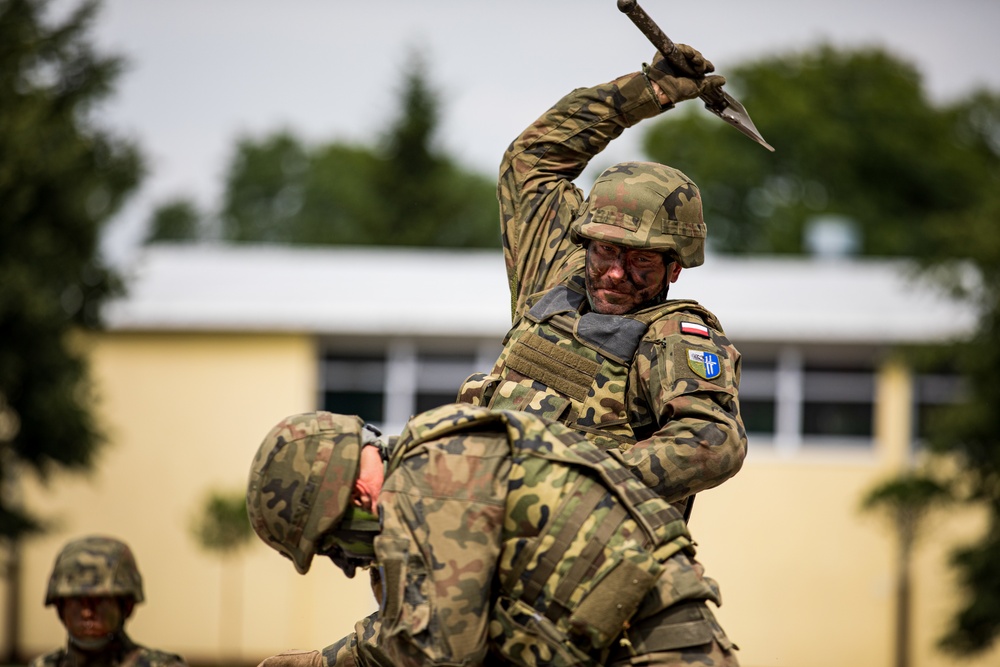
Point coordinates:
pixel 90 619
pixel 620 279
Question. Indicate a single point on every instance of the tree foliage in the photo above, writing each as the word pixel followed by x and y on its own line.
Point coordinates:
pixel 963 252
pixel 906 500
pixel 175 220
pixel 404 191
pixel 62 176
pixel 856 136
pixel 221 526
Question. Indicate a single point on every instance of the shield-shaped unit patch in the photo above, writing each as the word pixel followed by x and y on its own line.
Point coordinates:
pixel 704 364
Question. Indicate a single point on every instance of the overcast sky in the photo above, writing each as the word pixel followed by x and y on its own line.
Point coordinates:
pixel 203 72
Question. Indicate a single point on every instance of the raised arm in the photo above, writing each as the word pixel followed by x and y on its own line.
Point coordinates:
pixel 538 199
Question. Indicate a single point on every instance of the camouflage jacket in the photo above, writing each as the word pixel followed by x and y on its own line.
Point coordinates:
pixel 674 417
pixel 509 540
pixel 122 652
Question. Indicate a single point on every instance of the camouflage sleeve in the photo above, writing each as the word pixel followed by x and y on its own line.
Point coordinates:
pixel 50 659
pixel 442 513
pixel 538 200
pixel 148 657
pixel 358 649
pixel 692 387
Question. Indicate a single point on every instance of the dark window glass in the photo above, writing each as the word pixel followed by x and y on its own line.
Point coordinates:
pixel 837 419
pixel 758 415
pixel 428 400
pixel 838 402
pixel 355 385
pixel 369 406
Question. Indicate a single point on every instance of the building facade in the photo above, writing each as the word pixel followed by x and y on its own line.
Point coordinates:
pixel 213 345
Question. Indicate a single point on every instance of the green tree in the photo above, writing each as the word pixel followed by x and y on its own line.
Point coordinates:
pixel 281 191
pixel 855 136
pixel 62 176
pixel 401 192
pixel 429 199
pixel 970 430
pixel 221 527
pixel 906 500
pixel 177 219
pixel 963 253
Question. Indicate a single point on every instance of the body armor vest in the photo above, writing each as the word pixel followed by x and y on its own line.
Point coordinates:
pixel 575 367
pixel 559 600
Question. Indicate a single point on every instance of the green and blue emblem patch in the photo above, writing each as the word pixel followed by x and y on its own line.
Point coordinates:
pixel 704 364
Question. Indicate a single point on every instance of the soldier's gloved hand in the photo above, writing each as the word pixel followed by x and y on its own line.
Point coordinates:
pixel 686 81
pixel 295 659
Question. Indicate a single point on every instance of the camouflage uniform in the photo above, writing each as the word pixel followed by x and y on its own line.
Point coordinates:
pixel 659 384
pixel 100 567
pixel 505 539
pixel 121 652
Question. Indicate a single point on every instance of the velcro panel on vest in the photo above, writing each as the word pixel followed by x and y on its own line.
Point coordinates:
pixel 603 613
pixel 553 366
pixel 688 624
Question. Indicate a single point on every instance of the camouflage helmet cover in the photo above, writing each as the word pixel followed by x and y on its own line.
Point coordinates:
pixel 301 481
pixel 95 566
pixel 647 206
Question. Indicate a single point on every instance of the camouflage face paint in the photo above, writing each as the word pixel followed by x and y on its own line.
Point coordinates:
pixel 91 621
pixel 621 279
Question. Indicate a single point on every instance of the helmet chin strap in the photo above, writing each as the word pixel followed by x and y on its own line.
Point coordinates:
pixel 91 644
pixel 352 543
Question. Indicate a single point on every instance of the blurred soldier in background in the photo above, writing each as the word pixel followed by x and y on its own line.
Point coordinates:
pixel 500 538
pixel 94 586
pixel 595 342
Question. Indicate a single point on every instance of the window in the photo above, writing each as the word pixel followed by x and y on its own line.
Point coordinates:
pixel 838 402
pixel 354 385
pixel 795 397
pixel 757 398
pixel 405 377
pixel 439 375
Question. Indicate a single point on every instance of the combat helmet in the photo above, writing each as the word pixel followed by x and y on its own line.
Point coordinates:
pixel 648 206
pixel 95 566
pixel 301 481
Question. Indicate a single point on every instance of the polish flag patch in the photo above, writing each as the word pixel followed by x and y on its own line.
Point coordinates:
pixel 694 329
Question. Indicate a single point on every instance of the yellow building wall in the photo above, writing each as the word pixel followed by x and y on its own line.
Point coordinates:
pixel 807 579
pixel 185 414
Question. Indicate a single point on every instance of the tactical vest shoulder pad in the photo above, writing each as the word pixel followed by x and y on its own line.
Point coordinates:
pixel 679 309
